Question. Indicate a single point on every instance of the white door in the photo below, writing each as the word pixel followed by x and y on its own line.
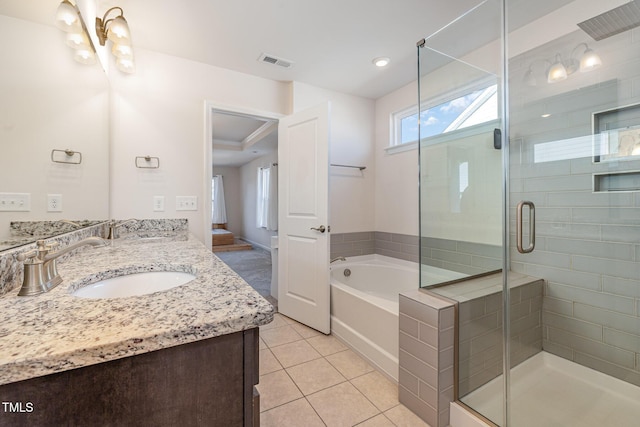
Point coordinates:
pixel 303 216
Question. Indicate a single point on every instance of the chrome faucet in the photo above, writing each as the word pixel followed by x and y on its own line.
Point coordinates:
pixel 340 258
pixel 40 269
pixel 113 228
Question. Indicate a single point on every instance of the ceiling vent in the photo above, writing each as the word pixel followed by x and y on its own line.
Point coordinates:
pixel 613 22
pixel 270 59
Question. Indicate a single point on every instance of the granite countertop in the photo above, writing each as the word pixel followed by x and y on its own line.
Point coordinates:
pixel 56 331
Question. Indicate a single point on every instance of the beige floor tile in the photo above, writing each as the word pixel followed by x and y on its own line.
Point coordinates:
pixel 278 336
pixel 377 421
pixel 276 389
pixel 293 414
pixel 268 362
pixel 278 321
pixel 342 405
pixel 349 364
pixel 261 344
pixel 403 417
pixel 326 344
pixel 295 353
pixel 304 330
pixel 378 389
pixel 315 375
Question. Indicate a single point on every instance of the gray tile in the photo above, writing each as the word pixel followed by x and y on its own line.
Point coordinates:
pixel 421 312
pixel 419 350
pixel 489 251
pixel 586 198
pixel 453 257
pixel 606 215
pixel 620 233
pixel 595 249
pixel 408 380
pixel 568 277
pixel 572 183
pixel 596 299
pixel 419 369
pixel 429 334
pixel 617 286
pixel 623 340
pixel 574 326
pixel 611 319
pixel 409 326
pixel 359 236
pixel 615 268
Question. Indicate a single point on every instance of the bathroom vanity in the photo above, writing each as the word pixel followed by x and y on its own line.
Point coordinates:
pixel 187 355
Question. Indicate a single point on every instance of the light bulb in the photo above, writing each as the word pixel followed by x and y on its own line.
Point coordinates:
pixel 118 31
pixel 126 65
pixel 78 40
pixel 67 17
pixel 85 56
pixel 122 51
pixel 557 72
pixel 589 61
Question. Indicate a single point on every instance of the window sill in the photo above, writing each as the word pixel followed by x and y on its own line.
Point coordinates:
pixel 401 148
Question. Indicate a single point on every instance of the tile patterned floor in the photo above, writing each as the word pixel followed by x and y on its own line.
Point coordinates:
pixel 309 379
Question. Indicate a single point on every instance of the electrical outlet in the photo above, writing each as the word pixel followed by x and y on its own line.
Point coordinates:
pixel 15 202
pixel 54 202
pixel 186 203
pixel 158 203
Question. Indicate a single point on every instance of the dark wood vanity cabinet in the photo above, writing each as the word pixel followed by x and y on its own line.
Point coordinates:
pixel 202 383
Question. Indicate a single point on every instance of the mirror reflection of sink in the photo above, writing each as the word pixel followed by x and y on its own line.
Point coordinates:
pixel 134 284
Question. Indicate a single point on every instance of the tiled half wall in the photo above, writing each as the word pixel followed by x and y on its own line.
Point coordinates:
pixel 463 257
pixel 430 328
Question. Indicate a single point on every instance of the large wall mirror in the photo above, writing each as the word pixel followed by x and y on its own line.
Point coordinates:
pixel 54 127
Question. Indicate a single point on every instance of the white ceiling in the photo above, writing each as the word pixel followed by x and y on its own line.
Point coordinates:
pixel 331 42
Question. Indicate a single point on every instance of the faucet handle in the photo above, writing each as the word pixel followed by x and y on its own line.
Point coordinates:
pixel 23 256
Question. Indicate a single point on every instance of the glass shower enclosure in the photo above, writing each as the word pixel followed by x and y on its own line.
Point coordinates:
pixel 542 181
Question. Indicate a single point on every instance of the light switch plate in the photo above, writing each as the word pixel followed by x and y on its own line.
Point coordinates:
pixel 15 202
pixel 158 203
pixel 186 203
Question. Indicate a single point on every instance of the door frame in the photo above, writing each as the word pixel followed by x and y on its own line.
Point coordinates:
pixel 209 108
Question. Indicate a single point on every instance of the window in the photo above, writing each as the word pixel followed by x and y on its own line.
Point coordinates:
pixel 474 107
pixel 267 198
pixel 263 197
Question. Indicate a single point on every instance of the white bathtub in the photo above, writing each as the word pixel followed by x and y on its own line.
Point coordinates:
pixel 364 304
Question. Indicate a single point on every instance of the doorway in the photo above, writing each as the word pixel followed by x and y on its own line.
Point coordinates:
pixel 243 149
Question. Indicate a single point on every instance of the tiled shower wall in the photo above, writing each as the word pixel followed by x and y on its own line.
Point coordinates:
pixel 463 257
pixel 588 243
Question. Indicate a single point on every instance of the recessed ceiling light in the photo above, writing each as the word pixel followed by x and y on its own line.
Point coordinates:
pixel 381 61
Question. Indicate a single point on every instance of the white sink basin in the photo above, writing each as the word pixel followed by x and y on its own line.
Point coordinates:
pixel 134 284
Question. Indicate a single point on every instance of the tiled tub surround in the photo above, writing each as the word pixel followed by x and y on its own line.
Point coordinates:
pixel 56 331
pixel 462 257
pixel 427 339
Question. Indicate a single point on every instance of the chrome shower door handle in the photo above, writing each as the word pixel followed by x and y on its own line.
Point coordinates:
pixel 532 227
pixel 321 229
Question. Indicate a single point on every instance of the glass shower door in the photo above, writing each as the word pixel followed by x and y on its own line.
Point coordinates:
pixel 461 171
pixel 574 130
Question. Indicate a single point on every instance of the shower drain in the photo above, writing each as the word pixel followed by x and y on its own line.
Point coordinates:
pixel 347 272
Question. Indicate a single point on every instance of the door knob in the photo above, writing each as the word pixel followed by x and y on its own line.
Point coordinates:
pixel 320 229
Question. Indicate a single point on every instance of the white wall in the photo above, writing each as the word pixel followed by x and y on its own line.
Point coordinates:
pixel 396 178
pixel 249 178
pixel 351 192
pixel 159 111
pixel 48 102
pixel 232 197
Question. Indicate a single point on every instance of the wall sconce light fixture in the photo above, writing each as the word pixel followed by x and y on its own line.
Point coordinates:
pixel 117 30
pixel 68 19
pixel 559 70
